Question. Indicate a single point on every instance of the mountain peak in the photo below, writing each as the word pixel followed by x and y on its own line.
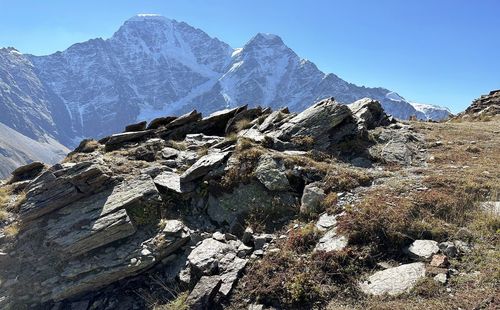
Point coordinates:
pixel 265 39
pixel 148 17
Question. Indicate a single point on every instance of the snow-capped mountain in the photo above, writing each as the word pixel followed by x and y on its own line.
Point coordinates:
pixel 432 112
pixel 153 66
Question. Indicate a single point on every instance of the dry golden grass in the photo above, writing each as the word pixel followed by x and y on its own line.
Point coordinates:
pixel 11 230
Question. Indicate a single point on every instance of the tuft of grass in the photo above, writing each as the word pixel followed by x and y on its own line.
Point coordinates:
pixel 303 142
pixel 303 239
pixel 11 230
pixel 179 303
pixel 247 154
pixel 5 194
pixel 178 145
pixel 243 124
pixel 343 179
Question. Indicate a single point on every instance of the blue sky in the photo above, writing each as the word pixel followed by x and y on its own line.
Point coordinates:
pixel 444 52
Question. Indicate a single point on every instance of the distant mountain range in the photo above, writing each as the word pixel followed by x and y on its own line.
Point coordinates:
pixel 153 66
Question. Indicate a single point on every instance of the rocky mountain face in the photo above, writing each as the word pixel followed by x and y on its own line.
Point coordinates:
pixel 153 66
pixel 483 107
pixel 203 209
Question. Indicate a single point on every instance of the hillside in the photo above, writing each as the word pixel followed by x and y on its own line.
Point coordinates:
pixel 17 150
pixel 335 207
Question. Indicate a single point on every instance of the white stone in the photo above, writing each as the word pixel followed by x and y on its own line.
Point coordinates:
pixel 394 281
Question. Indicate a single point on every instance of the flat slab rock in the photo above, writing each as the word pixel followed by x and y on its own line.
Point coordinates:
pixel 100 219
pixel 203 293
pixel 53 190
pixel 204 165
pixel 331 241
pixel 172 181
pixel 393 281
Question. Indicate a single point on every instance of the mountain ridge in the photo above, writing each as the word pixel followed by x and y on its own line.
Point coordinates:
pixel 153 66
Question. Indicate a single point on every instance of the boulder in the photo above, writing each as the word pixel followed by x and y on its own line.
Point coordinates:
pixel 271 173
pixel 169 153
pixel 315 122
pixel 440 261
pixel 394 281
pixel 116 140
pixel 190 117
pixel 204 165
pixel 172 181
pixel 491 207
pixel 311 198
pixel 369 113
pixel 200 140
pixel 227 207
pixel 202 295
pixel 216 123
pixel 27 172
pixel 422 249
pixel 204 259
pixel 136 127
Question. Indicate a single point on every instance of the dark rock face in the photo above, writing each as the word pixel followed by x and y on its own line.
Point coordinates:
pixel 143 205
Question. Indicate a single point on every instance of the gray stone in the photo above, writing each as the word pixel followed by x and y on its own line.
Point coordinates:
pixel 462 246
pixel 136 127
pixel 247 237
pixel 190 117
pixel 271 173
pixel 331 241
pixel 394 281
pixel 369 113
pixel 202 295
pixel 204 165
pixel 448 248
pixel 205 257
pixel 423 249
pixel 172 181
pixel 311 198
pixel 169 153
pixel 120 138
pixel 316 121
pixel 441 278
pixel 231 267
pixel 27 172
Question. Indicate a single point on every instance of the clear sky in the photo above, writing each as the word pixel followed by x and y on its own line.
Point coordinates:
pixel 444 52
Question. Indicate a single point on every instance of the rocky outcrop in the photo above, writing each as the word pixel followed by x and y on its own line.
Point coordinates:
pixel 172 201
pixel 485 106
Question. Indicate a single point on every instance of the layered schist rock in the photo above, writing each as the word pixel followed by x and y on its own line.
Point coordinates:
pixel 138 205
